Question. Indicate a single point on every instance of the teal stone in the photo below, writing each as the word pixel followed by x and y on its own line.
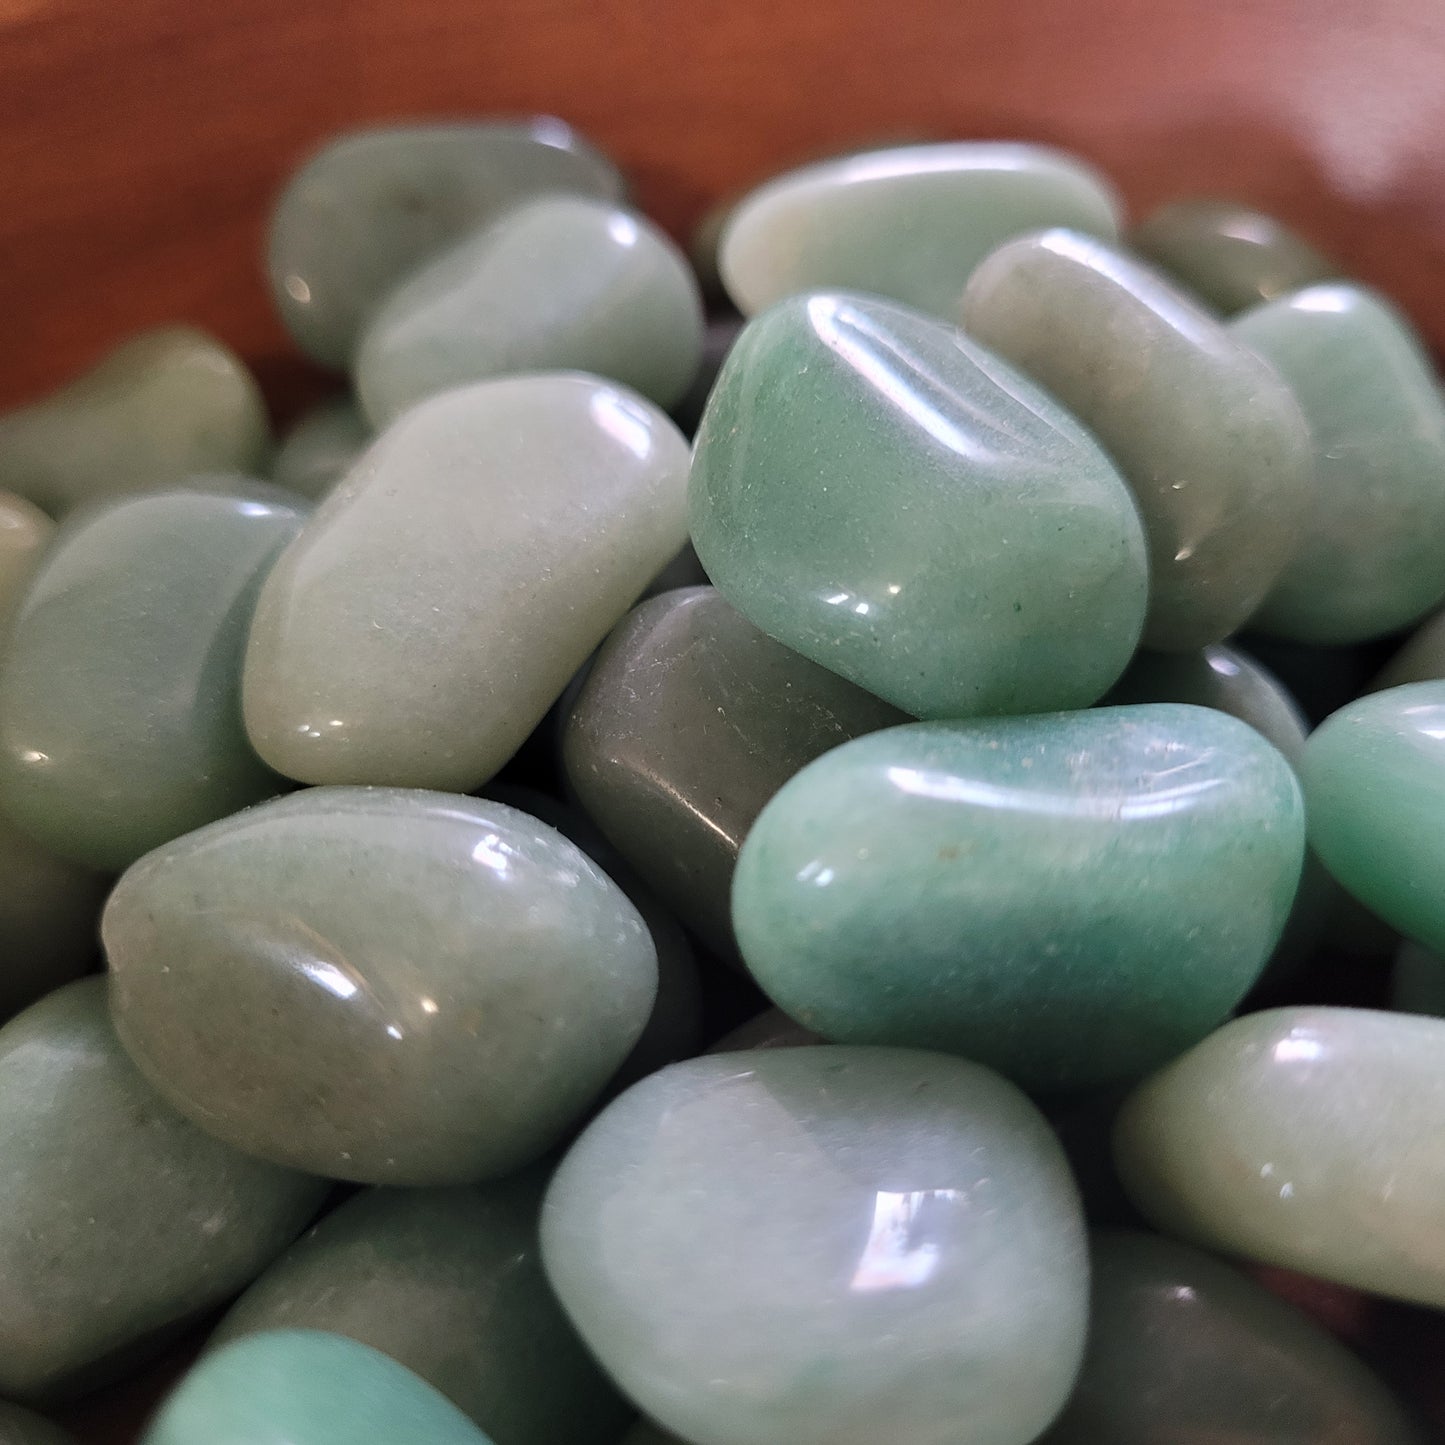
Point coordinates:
pixel 119 1220
pixel 306 1387
pixel 908 223
pixel 1070 899
pixel 1371 555
pixel 877 492
pixel 1208 438
pixel 834 1246
pixel 378 984
pixel 161 406
pixel 24 1427
pixel 120 698
pixel 564 283
pixel 1417 981
pixel 371 207
pixel 321 448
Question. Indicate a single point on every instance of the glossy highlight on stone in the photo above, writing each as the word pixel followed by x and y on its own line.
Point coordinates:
pixel 25 533
pixel 321 448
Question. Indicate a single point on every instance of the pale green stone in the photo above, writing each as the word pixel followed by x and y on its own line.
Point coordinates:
pixel 836 1245
pixel 159 407
pixel 321 448
pixel 1208 438
pixel 565 283
pixel 438 602
pixel 1417 981
pixel 908 223
pixel 25 533
pixel 25 1427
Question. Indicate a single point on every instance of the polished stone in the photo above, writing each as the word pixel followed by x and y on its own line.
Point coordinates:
pixel 1420 658
pixel 1071 899
pixel 118 1218
pixel 1417 981
pixel 321 448
pixel 1371 556
pixel 379 984
pixel 159 407
pixel 423 623
pixel 24 1427
pixel 25 533
pixel 825 1245
pixel 771 1029
pixel 1208 438
pixel 880 494
pixel 1302 1137
pixel 120 706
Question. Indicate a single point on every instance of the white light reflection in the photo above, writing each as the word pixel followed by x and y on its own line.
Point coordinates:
pixel 624 422
pixel 1221 662
pixel 1321 298
pixel 492 853
pixel 1296 1049
pixel 623 230
pixel 895 1257
pixel 298 290
pixel 1434 713
pixel 329 977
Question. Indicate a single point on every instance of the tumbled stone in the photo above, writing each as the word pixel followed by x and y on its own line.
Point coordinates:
pixel 159 407
pixel 321 448
pixel 1071 899
pixel 1208 438
pixel 379 984
pixel 564 283
pixel 1420 658
pixel 25 533
pixel 118 1218
pixel 370 207
pixel 771 1029
pixel 448 588
pixel 1302 1137
pixel 24 1427
pixel 120 706
pixel 882 495
pixel 908 223
pixel 825 1245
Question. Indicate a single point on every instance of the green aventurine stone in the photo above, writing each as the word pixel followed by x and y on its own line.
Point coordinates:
pixel 321 448
pixel 879 493
pixel 371 207
pixel 378 984
pixel 24 1427
pixel 1070 899
pixel 825 1245
pixel 305 1387
pixel 25 533
pixel 159 407
pixel 118 1218
pixel 1302 1137
pixel 1227 254
pixel 120 706
pixel 1371 555
pixel 1208 438
pixel 425 620
pixel 565 283
pixel 1182 1347
pixel 908 223
pixel 689 721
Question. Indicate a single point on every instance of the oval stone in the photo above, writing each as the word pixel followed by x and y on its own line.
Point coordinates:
pixel 377 984
pixel 908 223
pixel 118 1218
pixel 1302 1137
pixel 825 1245
pixel 1208 438
pixel 24 1427
pixel 25 533
pixel 879 493
pixel 321 448
pixel 444 593
pixel 372 206
pixel 1070 899
pixel 564 283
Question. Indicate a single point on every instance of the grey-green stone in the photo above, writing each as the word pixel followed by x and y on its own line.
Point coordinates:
pixel 321 448
pixel 24 1427
pixel 25 533
pixel 1420 658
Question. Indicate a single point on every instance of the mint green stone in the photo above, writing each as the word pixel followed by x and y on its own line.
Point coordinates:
pixel 305 1387
pixel 120 699
pixel 25 1427
pixel 908 223
pixel 1071 899
pixel 564 283
pixel 372 206
pixel 162 405
pixel 320 449
pixel 1371 554
pixel 879 493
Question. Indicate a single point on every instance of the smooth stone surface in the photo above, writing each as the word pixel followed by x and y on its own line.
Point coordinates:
pixel 162 405
pixel 120 705
pixel 118 1218
pixel 1417 981
pixel 305 1387
pixel 1071 899
pixel 321 448
pixel 444 593
pixel 1182 1347
pixel 880 494
pixel 1421 658
pixel 908 223
pixel 683 571
pixel 1371 556
pixel 689 720
pixel 1208 438
pixel 825 1245
pixel 1302 1137
pixel 378 984
pixel 24 1427
pixel 771 1029
pixel 372 206
pixel 564 283
pixel 449 1283
pixel 1228 255
pixel 25 532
